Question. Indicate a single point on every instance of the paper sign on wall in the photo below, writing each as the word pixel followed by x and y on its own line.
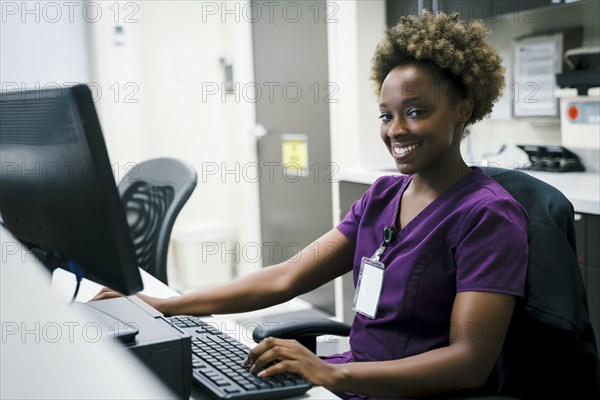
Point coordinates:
pixel 179 68
pixel 294 154
pixel 537 61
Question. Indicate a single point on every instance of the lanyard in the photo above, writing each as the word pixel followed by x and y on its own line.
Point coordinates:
pixel 389 234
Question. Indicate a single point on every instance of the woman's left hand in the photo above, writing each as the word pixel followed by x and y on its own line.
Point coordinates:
pixel 290 356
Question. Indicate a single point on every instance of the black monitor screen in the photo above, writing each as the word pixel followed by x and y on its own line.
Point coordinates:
pixel 58 193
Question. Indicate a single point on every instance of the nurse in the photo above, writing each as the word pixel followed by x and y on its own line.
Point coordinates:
pixel 439 254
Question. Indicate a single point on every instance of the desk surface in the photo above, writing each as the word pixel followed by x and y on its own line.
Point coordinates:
pixel 63 284
pixel 51 350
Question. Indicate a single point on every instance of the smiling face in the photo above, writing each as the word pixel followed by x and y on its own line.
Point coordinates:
pixel 421 123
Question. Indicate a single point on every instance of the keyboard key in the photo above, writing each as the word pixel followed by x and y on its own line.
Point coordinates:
pixel 248 386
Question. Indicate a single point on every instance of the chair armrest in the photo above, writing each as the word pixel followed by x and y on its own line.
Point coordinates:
pixel 304 331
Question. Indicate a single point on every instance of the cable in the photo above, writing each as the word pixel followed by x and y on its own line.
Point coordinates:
pixel 78 271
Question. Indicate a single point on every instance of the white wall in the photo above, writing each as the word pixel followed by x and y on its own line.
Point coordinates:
pixel 352 38
pixel 42 45
pixel 148 83
pixel 171 55
pixel 117 79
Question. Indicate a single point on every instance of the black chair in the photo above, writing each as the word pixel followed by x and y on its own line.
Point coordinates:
pixel 153 192
pixel 550 350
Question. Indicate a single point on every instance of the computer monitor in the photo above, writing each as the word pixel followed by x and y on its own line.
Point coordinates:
pixel 58 194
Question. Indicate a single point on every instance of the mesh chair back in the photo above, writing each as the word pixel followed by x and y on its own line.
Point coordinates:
pixel 152 194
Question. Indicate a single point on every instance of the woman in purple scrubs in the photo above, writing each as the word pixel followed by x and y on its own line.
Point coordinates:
pixel 435 301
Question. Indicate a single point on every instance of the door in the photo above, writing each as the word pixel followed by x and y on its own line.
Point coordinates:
pixel 292 103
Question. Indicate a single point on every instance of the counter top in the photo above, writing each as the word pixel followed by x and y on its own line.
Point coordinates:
pixel 581 188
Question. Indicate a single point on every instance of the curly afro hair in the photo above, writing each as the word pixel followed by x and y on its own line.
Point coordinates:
pixel 457 50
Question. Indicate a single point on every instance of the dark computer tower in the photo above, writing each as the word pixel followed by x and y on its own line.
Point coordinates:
pixel 163 348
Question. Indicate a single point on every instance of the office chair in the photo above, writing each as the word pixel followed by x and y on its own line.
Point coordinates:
pixel 153 192
pixel 550 350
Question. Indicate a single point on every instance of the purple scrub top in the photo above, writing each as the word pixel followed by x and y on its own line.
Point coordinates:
pixel 473 237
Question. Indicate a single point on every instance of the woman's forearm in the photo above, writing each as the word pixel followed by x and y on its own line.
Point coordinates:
pixel 464 364
pixel 436 371
pixel 257 290
pixel 325 259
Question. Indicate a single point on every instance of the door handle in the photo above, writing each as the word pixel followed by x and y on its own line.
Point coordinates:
pixel 259 131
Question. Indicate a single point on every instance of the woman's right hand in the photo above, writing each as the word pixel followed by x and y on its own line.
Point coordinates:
pixel 106 293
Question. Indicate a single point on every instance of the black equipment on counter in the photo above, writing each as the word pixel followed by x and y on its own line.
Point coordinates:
pixel 584 70
pixel 552 159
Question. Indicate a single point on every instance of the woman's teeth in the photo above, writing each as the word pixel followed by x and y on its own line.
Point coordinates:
pixel 403 150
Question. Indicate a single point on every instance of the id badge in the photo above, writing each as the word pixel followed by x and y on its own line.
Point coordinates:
pixel 368 287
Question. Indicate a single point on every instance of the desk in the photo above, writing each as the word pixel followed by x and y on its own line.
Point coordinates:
pixel 63 284
pixel 48 350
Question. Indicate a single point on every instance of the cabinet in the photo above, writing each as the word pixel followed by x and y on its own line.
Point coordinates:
pixel 587 231
pixel 487 10
pixel 349 193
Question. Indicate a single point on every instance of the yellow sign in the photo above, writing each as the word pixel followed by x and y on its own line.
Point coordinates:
pixel 294 154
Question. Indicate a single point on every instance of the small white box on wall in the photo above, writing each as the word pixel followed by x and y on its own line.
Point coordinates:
pixel 580 118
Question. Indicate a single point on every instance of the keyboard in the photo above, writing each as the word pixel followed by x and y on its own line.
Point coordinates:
pixel 217 366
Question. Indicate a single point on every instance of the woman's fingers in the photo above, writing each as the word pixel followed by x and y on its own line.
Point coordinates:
pixel 272 350
pixel 258 350
pixel 277 368
pixel 106 293
pixel 275 356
